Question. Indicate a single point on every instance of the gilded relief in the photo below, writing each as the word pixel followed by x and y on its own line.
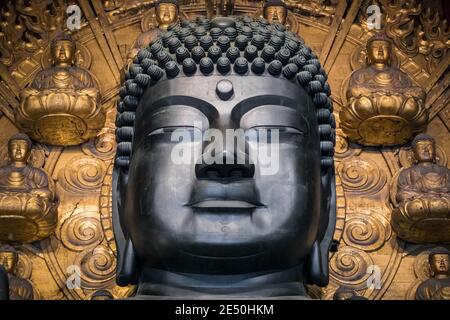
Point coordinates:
pixel 363 237
pixel 422 197
pixel 384 107
pixel 19 288
pixel 62 104
pixel 27 196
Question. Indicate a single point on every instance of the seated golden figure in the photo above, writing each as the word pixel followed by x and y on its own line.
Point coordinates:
pixel 19 289
pixel 275 11
pixel 62 105
pixel 384 107
pixel 166 14
pixel 422 213
pixel 437 287
pixel 27 201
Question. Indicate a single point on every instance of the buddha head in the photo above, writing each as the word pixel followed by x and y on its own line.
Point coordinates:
pixel 439 261
pixel 8 258
pixel 166 12
pixel 63 50
pixel 424 148
pixel 19 148
pixel 344 293
pixel 379 50
pixel 220 209
pixel 275 11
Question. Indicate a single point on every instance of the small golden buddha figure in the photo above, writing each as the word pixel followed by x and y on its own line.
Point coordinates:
pixel 437 287
pixel 344 293
pixel 384 107
pixel 62 105
pixel 275 11
pixel 167 14
pixel 422 213
pixel 27 200
pixel 19 289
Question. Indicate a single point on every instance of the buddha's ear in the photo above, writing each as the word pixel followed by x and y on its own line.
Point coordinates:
pixel 127 269
pixel 317 265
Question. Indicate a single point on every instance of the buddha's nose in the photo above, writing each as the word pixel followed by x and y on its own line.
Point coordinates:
pixel 227 165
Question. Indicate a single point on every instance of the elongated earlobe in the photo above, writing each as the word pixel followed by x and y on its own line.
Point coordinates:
pixel 126 273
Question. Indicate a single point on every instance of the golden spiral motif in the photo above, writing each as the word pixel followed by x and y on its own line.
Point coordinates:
pixel 81 231
pixel 365 232
pixel 98 267
pixel 83 174
pixel 361 176
pixel 349 266
pixel 344 148
pixel 102 147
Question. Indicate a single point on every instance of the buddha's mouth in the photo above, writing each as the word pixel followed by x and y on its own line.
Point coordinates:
pixel 229 204
pixel 213 195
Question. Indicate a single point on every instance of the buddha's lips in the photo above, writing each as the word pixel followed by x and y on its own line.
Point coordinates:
pixel 232 204
pixel 209 194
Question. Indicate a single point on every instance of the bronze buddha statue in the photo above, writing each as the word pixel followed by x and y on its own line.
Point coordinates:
pixel 19 289
pixel 275 11
pixel 437 287
pixel 384 107
pixel 62 104
pixel 423 197
pixel 218 223
pixel 27 199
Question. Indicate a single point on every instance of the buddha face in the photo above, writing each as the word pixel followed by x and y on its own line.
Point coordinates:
pixel 424 151
pixel 19 150
pixel 63 53
pixel 166 14
pixel 8 260
pixel 275 14
pixel 220 216
pixel 440 264
pixel 379 52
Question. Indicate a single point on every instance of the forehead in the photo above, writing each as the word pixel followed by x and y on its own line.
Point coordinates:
pixel 424 142
pixel 18 142
pixel 377 43
pixel 440 256
pixel 249 92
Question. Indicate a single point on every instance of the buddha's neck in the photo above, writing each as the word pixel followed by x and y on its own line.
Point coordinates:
pixel 441 276
pixel 380 66
pixel 18 164
pixel 155 282
pixel 62 65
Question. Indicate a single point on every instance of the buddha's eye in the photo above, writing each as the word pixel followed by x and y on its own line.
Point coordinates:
pixel 271 134
pixel 175 130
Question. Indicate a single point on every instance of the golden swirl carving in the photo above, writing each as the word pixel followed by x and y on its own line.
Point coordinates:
pixel 83 174
pixel 103 146
pixel 98 267
pixel 344 148
pixel 361 176
pixel 349 266
pixel 81 231
pixel 367 232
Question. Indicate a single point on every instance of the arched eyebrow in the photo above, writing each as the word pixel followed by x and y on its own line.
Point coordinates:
pixel 244 106
pixel 201 105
